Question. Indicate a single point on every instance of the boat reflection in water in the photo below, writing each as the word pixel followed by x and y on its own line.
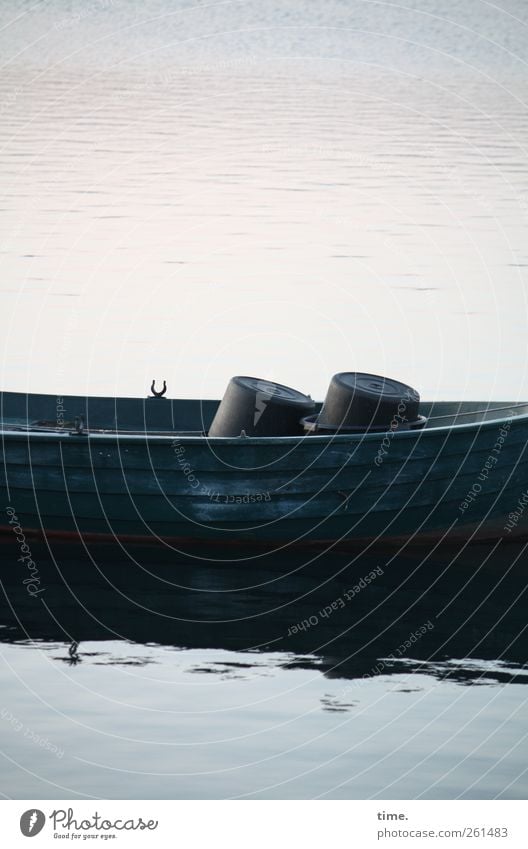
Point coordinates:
pixel 137 676
pixel 456 613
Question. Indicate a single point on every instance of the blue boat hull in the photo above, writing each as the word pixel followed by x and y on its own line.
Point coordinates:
pixel 139 476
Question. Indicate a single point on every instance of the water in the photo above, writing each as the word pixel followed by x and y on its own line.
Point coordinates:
pixel 286 190
pixel 137 676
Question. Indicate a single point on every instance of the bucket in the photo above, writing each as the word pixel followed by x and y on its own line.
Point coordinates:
pixel 258 407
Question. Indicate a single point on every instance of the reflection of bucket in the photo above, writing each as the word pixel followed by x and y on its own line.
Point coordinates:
pixel 364 402
pixel 260 408
pixel 312 424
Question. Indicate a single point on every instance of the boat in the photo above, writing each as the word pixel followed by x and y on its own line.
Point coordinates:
pixel 146 470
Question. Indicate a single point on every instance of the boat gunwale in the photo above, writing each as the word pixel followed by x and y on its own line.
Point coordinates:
pixel 140 437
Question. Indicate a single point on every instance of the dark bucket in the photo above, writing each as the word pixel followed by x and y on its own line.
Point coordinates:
pixel 363 402
pixel 260 408
pixel 312 425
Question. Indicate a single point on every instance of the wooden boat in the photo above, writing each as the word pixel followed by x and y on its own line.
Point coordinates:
pixel 145 470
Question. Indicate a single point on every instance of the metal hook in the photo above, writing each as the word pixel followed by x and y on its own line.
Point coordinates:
pixel 158 394
pixel 79 425
pixel 72 651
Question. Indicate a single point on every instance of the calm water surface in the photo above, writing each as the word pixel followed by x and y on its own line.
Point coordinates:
pixel 135 677
pixel 288 190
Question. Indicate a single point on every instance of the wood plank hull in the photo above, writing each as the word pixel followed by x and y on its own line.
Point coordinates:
pixel 462 479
